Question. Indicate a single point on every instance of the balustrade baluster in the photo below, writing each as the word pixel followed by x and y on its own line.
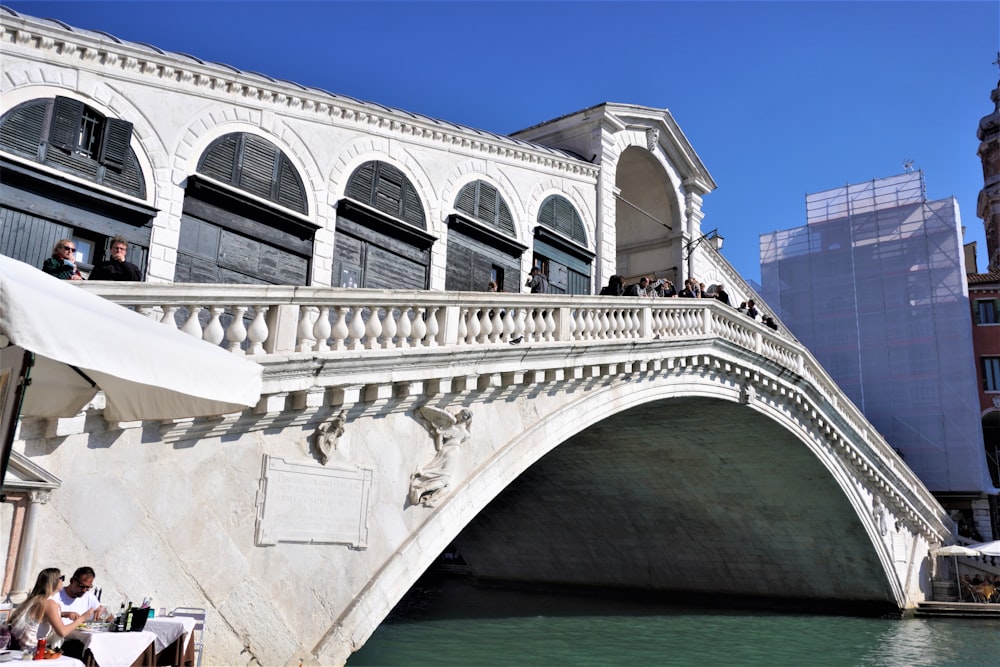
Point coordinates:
pixel 432 326
pixel 420 327
pixel 304 333
pixel 605 324
pixel 257 333
pixel 404 327
pixel 389 329
pixel 485 326
pixel 472 324
pixel 580 324
pixel 373 329
pixel 357 328
pixel 588 330
pixel 322 329
pixel 192 326
pixel 340 332
pixel 529 325
pixel 463 329
pixel 147 311
pixel 550 325
pixel 214 332
pixel 497 323
pixel 510 324
pixel 169 316
pixel 619 326
pixel 539 331
pixel 237 331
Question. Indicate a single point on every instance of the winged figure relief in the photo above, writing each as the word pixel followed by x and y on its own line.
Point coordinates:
pixel 450 430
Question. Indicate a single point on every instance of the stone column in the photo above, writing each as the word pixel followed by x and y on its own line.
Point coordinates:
pixel 26 553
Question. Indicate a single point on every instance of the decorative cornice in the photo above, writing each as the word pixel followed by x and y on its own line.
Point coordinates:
pixel 92 52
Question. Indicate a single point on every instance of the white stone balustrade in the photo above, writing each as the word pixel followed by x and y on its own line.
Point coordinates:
pixel 265 320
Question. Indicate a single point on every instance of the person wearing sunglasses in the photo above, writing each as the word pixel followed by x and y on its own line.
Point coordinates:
pixel 62 263
pixel 78 598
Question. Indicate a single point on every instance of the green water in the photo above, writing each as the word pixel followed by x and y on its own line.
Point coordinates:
pixel 470 627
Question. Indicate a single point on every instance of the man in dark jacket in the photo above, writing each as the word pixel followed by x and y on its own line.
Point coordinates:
pixel 537 282
pixel 117 268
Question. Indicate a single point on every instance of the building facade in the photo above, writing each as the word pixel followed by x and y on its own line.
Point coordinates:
pixel 215 175
pixel 875 286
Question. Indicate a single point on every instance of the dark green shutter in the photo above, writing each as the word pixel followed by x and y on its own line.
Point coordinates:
pixel 21 130
pixel 114 151
pixel 257 172
pixel 67 114
pixel 558 214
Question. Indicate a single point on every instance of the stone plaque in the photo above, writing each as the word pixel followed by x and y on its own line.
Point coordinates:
pixel 311 504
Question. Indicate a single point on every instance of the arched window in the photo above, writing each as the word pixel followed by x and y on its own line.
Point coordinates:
pixel 558 214
pixel 482 202
pixel 39 207
pixel 381 240
pixel 66 134
pixel 228 237
pixel 481 242
pixel 560 250
pixel 257 166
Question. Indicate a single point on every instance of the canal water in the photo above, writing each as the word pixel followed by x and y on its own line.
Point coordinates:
pixel 455 623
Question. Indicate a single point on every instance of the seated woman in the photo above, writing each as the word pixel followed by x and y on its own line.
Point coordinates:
pixel 39 607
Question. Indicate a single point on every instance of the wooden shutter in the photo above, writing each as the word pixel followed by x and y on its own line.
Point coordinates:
pixel 362 183
pixel 558 214
pixel 290 191
pixel 67 115
pixel 257 170
pixel 219 161
pixel 115 150
pixel 466 201
pixel 21 130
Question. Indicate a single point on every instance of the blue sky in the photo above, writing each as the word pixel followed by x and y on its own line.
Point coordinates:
pixel 779 99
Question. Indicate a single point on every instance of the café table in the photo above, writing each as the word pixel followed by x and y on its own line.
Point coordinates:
pixel 173 645
pixel 63 661
pixel 116 649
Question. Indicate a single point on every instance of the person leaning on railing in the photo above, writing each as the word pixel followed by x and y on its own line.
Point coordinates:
pixel 62 263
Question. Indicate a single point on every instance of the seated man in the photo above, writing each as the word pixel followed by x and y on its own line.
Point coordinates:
pixel 637 289
pixel 77 597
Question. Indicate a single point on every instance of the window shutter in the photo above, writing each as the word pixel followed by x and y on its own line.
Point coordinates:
pixel 487 203
pixel 506 222
pixel 413 210
pixel 257 173
pixel 389 190
pixel 291 193
pixel 21 130
pixel 466 201
pixel 67 114
pixel 557 213
pixel 115 151
pixel 361 186
pixel 219 161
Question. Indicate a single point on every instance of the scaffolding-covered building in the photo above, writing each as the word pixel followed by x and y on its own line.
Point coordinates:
pixel 874 284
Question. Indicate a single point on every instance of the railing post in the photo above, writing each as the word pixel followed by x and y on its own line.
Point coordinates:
pixel 645 322
pixel 706 315
pixel 563 324
pixel 448 335
pixel 282 325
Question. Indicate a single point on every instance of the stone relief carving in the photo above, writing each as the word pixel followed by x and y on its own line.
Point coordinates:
pixel 878 513
pixel 450 430
pixel 652 138
pixel 327 436
pixel 747 394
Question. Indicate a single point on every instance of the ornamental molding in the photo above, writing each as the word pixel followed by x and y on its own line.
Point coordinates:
pixel 56 47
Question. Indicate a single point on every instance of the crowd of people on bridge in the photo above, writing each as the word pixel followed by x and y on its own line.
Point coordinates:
pixel 693 289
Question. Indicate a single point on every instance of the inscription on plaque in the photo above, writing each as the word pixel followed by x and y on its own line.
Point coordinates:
pixel 312 504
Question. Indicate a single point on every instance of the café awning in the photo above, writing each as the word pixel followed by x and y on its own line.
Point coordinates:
pixel 84 343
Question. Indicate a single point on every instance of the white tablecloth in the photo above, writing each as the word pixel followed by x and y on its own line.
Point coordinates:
pixel 167 629
pixel 63 661
pixel 115 649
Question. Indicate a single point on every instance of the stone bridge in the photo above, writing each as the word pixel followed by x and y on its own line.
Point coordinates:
pixel 670 446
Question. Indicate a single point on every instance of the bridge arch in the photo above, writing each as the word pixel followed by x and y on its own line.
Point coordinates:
pixel 760 515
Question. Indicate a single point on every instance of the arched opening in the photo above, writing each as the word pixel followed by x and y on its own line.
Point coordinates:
pixel 647 218
pixel 482 245
pixel 40 207
pixel 560 248
pixel 382 240
pixel 242 220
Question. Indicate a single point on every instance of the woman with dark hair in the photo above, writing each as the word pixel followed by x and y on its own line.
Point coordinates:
pixel 39 608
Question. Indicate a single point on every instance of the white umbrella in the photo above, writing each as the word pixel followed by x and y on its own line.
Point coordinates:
pixel 987 548
pixel 146 370
pixel 955 550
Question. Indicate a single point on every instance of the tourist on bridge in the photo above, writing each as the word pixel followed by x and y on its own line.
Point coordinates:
pixel 62 263
pixel 537 282
pixel 117 268
pixel 615 286
pixel 639 288
pixel 721 294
